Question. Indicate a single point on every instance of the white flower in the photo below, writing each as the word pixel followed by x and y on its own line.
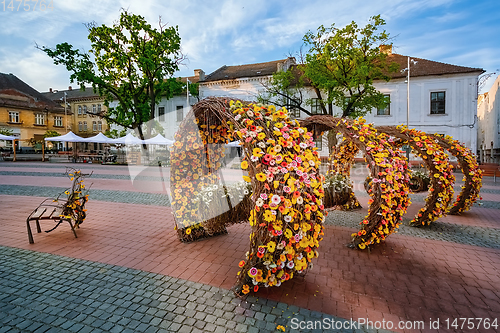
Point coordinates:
pixel 250 113
pixel 300 200
pixel 254 158
pixel 238 116
pixel 275 199
pixel 277 148
pixel 259 202
pixel 303 145
pixel 261 145
pixel 311 162
pixel 288 218
pixel 301 131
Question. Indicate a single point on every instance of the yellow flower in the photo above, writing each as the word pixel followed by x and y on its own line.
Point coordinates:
pixel 247 179
pixel 271 246
pixel 188 231
pixel 261 177
pixel 244 165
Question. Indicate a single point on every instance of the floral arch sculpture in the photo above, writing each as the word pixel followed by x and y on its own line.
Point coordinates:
pixel 285 210
pixel 339 163
pixel 436 161
pixel 470 169
pixel 389 196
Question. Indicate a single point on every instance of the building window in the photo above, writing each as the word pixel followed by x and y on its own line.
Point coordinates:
pixel 94 126
pixel 316 106
pixel 99 126
pixel 438 100
pixel 80 126
pixel 319 142
pixel 94 108
pixel 79 109
pixel 85 126
pixel 180 112
pixel 13 117
pixel 58 121
pixel 387 110
pixel 85 109
pixel 99 108
pixel 39 119
pixel 161 113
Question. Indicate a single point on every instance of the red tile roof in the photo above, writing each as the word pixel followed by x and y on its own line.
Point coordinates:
pixel 241 71
pixel 418 67
pixel 16 93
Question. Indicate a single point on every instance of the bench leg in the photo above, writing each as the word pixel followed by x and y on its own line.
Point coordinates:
pixel 30 235
pixel 72 228
pixel 38 229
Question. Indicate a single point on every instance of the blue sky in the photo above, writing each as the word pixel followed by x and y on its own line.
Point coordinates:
pixel 231 32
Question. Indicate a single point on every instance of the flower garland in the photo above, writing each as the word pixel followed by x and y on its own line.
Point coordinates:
pixel 470 169
pixel 286 213
pixel 195 162
pixel 388 168
pixel 287 218
pixel 340 162
pixel 441 172
pixel 77 196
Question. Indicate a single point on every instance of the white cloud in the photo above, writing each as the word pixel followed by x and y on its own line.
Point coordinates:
pixel 229 32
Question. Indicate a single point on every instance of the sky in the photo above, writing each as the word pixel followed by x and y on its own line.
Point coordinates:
pixel 231 32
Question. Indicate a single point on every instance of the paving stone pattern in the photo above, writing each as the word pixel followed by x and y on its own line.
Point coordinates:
pixel 43 292
pixel 462 234
pixel 141 198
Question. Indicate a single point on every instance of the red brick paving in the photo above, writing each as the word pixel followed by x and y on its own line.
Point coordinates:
pixel 406 278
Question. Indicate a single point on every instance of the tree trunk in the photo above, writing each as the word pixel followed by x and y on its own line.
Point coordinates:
pixel 332 140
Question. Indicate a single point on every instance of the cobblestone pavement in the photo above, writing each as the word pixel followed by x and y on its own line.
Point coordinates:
pixel 141 198
pixel 48 293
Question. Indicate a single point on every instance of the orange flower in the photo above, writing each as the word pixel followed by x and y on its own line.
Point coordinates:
pixel 246 289
pixel 242 263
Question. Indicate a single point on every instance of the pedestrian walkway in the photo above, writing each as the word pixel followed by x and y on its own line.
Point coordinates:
pixel 448 271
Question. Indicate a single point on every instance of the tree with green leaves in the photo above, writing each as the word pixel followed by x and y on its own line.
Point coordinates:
pixel 341 65
pixel 6 131
pixel 129 62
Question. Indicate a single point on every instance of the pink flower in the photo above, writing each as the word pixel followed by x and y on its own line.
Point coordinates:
pixel 253 271
pixel 263 196
pixel 287 189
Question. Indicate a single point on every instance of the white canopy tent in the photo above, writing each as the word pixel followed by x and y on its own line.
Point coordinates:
pixel 99 138
pixel 13 139
pixel 128 139
pixel 68 137
pixel 7 137
pixel 159 140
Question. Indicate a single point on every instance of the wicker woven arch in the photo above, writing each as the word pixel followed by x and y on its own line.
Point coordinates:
pixel 389 197
pixel 285 210
pixel 472 174
pixel 436 161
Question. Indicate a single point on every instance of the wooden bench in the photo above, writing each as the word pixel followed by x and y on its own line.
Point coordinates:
pixel 490 170
pixel 48 211
pixel 71 210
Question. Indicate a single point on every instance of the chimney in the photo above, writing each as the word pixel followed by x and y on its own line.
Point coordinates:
pixel 69 88
pixel 50 89
pixel 200 74
pixel 387 49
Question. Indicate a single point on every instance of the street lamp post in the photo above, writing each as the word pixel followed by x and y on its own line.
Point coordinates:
pixel 187 93
pixel 408 107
